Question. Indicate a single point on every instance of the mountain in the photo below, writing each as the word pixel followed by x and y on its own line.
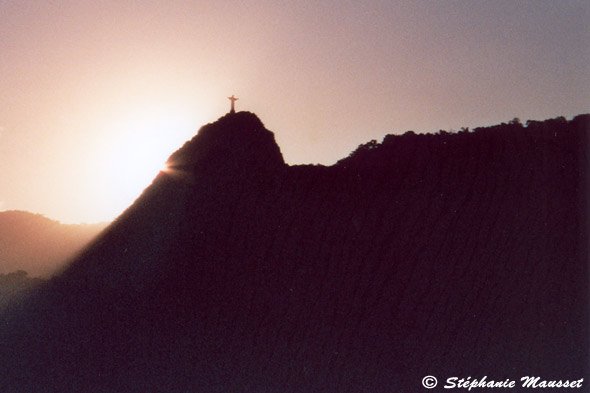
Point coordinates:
pixel 450 255
pixel 39 245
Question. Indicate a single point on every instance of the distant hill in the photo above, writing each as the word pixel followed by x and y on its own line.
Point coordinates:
pixel 39 245
pixel 450 255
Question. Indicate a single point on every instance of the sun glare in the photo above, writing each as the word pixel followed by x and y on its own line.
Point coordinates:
pixel 140 143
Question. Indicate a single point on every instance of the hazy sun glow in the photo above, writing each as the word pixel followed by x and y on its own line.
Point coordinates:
pixel 140 142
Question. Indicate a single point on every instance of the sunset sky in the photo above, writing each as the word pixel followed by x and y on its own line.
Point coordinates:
pixel 95 95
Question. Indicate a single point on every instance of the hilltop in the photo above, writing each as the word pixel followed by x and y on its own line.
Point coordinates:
pixel 450 255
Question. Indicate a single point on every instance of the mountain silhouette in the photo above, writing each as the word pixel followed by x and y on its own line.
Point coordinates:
pixel 460 254
pixel 39 245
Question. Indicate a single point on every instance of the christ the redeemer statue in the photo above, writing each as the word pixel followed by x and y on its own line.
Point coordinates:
pixel 232 99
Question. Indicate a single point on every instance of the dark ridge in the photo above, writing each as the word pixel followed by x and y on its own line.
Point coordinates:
pixel 449 255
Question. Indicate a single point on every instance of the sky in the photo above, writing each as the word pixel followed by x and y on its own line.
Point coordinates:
pixel 95 95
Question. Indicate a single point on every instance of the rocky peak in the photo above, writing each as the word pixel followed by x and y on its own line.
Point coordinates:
pixel 236 142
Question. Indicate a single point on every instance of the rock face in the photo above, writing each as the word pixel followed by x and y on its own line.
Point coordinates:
pixel 447 255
